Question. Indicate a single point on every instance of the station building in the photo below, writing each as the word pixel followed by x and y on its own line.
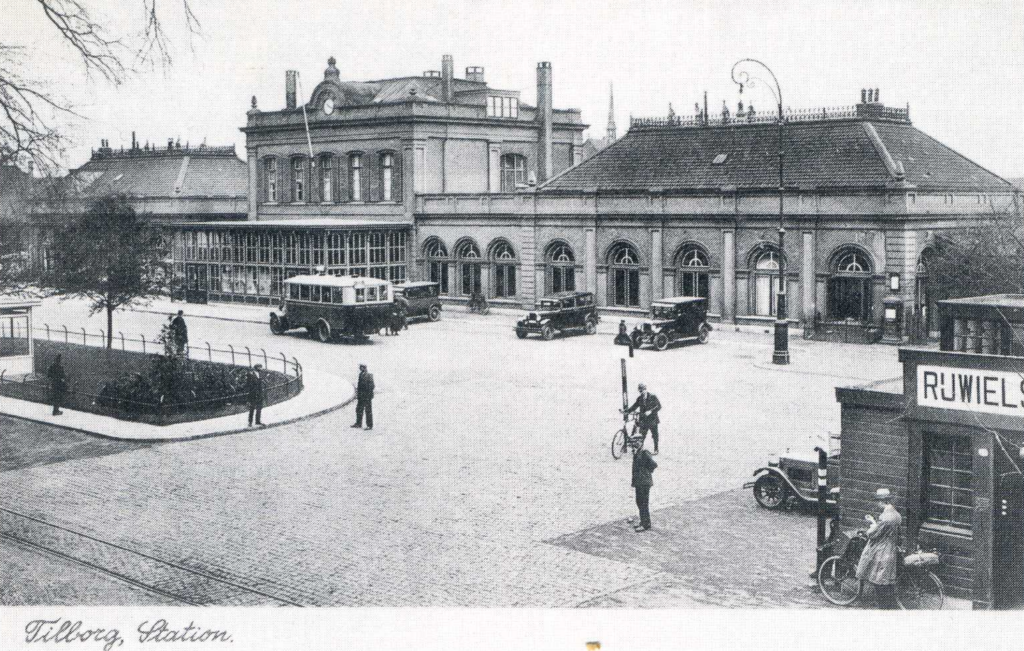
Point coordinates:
pixel 440 178
pixel 333 181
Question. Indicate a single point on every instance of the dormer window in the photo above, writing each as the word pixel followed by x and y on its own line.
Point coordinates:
pixel 502 107
pixel 720 159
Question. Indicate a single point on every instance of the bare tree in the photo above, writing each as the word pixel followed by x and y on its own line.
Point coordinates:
pixel 31 113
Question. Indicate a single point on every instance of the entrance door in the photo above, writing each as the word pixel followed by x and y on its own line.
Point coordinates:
pixel 196 283
pixel 1008 543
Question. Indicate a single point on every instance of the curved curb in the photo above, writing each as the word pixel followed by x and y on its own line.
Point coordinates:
pixel 310 379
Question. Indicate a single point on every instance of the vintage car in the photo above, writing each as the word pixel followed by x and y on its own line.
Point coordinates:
pixel 792 480
pixel 420 299
pixel 682 318
pixel 558 313
pixel 332 306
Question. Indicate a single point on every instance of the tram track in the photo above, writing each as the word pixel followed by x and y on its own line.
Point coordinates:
pixel 168 579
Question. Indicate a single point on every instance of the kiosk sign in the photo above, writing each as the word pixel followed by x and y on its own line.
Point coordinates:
pixel 964 389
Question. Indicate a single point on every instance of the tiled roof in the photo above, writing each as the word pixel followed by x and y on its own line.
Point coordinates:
pixel 847 153
pixel 181 173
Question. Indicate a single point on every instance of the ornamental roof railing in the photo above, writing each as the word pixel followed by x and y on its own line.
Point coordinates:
pixel 859 111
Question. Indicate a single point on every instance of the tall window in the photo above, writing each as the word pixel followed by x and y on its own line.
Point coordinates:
pixel 624 273
pixel 355 172
pixel 849 287
pixel 298 179
pixel 766 282
pixel 513 172
pixel 468 258
pixel 324 173
pixel 437 263
pixel 561 268
pixel 947 479
pixel 692 273
pixel 335 249
pixel 387 176
pixel 396 255
pixel 270 179
pixel 503 259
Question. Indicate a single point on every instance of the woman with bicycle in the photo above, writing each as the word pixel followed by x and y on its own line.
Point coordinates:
pixel 878 562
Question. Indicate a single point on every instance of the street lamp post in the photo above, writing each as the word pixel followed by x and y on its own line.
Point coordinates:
pixel 743 78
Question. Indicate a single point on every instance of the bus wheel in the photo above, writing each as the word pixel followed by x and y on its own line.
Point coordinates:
pixel 323 331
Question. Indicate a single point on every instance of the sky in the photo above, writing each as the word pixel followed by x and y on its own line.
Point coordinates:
pixel 957 64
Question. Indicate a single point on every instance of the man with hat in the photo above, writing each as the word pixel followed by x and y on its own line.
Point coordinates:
pixel 364 398
pixel 255 394
pixel 879 560
pixel 649 405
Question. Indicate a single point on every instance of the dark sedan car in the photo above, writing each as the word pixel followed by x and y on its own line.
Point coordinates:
pixel 420 299
pixel 560 312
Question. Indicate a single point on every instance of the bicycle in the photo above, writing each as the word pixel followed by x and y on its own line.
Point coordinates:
pixel 623 440
pixel 917 587
pixel 478 303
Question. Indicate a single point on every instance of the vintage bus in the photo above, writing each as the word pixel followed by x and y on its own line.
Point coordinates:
pixel 332 306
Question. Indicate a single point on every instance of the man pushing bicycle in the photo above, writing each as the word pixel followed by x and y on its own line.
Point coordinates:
pixel 648 406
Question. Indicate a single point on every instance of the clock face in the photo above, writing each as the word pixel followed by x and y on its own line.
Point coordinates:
pixel 328 106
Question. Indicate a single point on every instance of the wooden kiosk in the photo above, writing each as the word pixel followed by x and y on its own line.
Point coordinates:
pixel 948 439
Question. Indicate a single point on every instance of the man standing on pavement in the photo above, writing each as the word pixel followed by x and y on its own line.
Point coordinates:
pixel 643 467
pixel 878 561
pixel 649 406
pixel 364 398
pixel 255 394
pixel 180 333
pixel 58 384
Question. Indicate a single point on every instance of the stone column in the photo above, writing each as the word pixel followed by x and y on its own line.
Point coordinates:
pixel 807 280
pixel 590 260
pixel 728 307
pixel 657 266
pixel 527 262
pixel 494 167
pixel 254 190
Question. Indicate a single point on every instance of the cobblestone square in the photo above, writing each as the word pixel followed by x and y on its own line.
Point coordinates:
pixel 487 480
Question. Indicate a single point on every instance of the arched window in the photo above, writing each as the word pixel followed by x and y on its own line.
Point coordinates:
pixel 513 172
pixel 766 282
pixel 561 268
pixel 299 179
pixel 270 180
pixel 437 263
pixel 692 272
pixel 355 177
pixel 503 259
pixel 325 172
pixel 387 176
pixel 849 286
pixel 624 274
pixel 467 256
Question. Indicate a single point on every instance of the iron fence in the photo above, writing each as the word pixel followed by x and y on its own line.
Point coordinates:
pixel 228 368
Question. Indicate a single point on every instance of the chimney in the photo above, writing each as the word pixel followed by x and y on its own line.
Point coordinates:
pixel 290 83
pixel 447 72
pixel 170 144
pixel 135 143
pixel 433 74
pixel 544 169
pixel 475 73
pixel 863 96
pixel 876 95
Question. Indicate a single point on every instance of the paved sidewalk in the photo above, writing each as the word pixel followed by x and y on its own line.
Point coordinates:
pixel 321 393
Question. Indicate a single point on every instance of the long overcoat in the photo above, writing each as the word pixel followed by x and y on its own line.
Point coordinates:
pixel 878 562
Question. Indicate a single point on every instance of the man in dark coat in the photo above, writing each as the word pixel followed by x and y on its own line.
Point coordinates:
pixel 58 384
pixel 649 406
pixel 643 478
pixel 255 394
pixel 180 333
pixel 364 398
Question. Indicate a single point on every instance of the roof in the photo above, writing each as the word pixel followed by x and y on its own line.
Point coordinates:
pixel 337 281
pixel 1015 301
pixel 678 300
pixel 852 152
pixel 561 295
pixel 317 223
pixel 205 172
pixel 415 283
